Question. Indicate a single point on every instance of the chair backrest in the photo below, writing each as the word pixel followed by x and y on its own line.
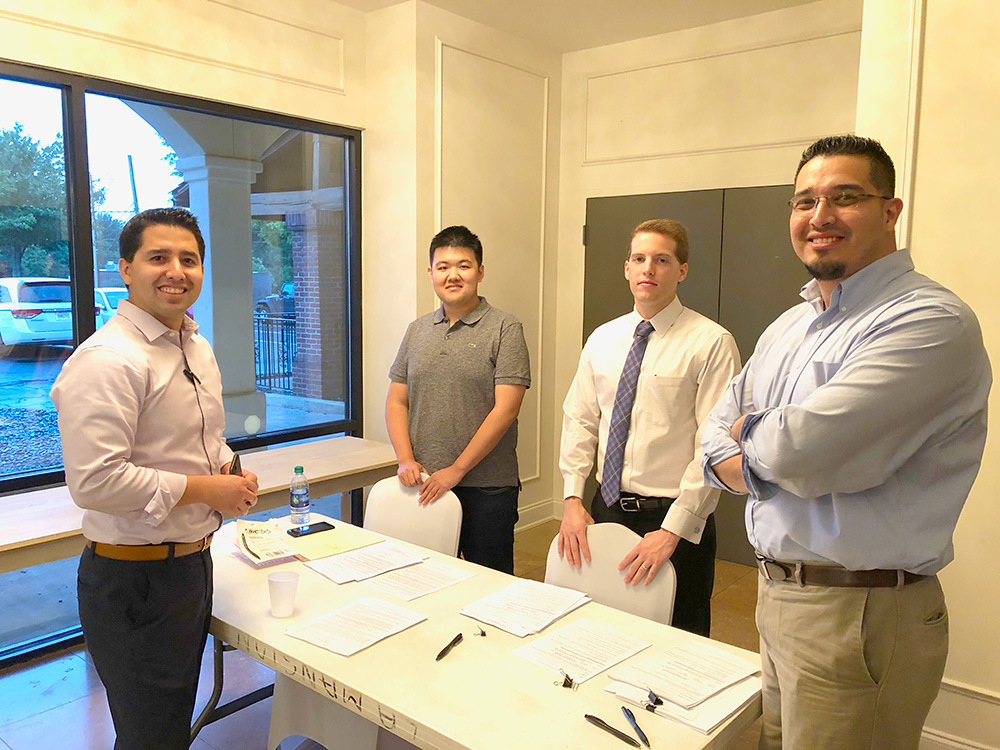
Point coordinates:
pixel 393 510
pixel 601 581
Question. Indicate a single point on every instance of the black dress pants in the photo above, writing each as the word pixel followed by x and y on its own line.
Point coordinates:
pixel 488 518
pixel 145 624
pixel 693 563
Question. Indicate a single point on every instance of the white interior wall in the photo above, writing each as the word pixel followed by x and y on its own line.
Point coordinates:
pixel 949 160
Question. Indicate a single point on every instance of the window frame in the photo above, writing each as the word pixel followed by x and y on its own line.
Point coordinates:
pixel 74 88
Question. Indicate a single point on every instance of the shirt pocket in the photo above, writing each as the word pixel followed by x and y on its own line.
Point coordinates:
pixel 667 398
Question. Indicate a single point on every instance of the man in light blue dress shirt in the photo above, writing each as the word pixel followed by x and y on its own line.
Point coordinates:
pixel 857 428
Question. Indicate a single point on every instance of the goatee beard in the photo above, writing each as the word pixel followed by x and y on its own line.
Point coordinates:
pixel 826 270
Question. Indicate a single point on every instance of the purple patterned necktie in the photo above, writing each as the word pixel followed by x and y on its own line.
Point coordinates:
pixel 621 415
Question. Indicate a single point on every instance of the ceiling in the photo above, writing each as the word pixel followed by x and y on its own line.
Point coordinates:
pixel 567 25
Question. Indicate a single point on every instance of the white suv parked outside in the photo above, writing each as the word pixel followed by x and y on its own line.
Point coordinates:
pixel 34 310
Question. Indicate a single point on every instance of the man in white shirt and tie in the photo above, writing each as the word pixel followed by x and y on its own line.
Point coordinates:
pixel 645 385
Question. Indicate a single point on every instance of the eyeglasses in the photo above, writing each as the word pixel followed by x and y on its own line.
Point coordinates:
pixel 808 203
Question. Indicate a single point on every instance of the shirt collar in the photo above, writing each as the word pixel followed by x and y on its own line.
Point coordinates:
pixel 470 318
pixel 863 284
pixel 663 319
pixel 149 326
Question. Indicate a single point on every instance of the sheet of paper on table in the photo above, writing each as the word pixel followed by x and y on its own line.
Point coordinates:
pixel 373 560
pixel 417 580
pixel 343 537
pixel 356 625
pixel 525 606
pixel 704 717
pixel 686 673
pixel 582 649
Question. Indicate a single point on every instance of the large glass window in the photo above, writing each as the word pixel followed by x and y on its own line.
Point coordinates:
pixel 36 326
pixel 276 198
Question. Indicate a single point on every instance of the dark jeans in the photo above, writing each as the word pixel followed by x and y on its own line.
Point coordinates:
pixel 488 518
pixel 145 624
pixel 694 563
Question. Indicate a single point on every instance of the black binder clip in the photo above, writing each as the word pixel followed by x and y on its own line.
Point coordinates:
pixel 567 681
pixel 481 632
pixel 652 701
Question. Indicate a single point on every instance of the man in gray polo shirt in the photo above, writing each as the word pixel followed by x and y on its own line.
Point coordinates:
pixel 457 386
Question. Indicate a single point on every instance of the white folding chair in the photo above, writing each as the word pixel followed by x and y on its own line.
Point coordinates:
pixel 393 510
pixel 601 580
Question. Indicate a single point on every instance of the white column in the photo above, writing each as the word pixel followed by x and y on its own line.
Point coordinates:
pixel 220 199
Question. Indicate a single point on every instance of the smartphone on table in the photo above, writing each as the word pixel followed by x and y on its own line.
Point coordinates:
pixel 310 528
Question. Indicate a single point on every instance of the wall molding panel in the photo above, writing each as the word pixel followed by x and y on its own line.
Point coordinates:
pixel 490 172
pixel 730 100
pixel 244 50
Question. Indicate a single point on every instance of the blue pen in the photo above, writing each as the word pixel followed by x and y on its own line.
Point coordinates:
pixel 635 726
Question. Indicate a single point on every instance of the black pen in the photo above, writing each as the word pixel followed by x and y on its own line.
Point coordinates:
pixel 608 728
pixel 454 642
pixel 631 720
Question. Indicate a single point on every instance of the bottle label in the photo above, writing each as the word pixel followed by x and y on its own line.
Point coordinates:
pixel 300 499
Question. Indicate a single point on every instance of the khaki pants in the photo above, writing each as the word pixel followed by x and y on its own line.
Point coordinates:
pixel 849 668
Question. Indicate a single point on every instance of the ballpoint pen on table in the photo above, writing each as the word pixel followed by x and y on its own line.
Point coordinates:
pixel 631 720
pixel 454 642
pixel 608 728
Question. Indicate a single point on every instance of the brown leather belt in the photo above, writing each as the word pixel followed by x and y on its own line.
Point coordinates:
pixel 833 575
pixel 633 503
pixel 147 552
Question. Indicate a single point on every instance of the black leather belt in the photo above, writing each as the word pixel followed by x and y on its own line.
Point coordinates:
pixel 806 574
pixel 634 503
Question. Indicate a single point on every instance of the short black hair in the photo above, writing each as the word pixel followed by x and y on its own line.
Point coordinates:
pixel 881 169
pixel 458 236
pixel 131 236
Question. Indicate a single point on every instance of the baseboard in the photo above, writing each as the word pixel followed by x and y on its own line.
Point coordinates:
pixel 534 514
pixel 964 717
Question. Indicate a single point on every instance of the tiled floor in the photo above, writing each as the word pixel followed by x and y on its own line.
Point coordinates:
pixel 58 701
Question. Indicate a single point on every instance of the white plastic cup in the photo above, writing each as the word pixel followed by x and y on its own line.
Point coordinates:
pixel 282 585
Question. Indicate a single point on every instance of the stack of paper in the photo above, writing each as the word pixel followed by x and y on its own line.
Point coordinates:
pixel 417 580
pixel 582 649
pixel 704 717
pixel 525 606
pixel 356 625
pixel 700 684
pixel 359 564
pixel 262 542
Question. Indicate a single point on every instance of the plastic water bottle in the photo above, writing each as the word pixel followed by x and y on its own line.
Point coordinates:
pixel 299 502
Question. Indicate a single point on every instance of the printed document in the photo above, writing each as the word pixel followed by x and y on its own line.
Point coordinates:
pixel 582 649
pixel 416 580
pixel 686 673
pixel 704 717
pixel 356 625
pixel 525 606
pixel 359 564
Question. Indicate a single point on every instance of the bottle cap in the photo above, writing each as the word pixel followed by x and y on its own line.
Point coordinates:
pixel 298 469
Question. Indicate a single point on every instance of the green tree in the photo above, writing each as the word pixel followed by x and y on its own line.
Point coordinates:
pixel 33 210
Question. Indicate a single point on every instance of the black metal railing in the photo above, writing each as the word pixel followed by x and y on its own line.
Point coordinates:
pixel 274 350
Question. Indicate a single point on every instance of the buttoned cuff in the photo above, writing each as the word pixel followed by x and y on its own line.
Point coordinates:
pixel 574 487
pixel 684 523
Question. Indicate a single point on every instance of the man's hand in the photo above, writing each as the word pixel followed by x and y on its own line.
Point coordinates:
pixel 439 483
pixel 573 532
pixel 648 556
pixel 737 428
pixel 409 473
pixel 230 494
